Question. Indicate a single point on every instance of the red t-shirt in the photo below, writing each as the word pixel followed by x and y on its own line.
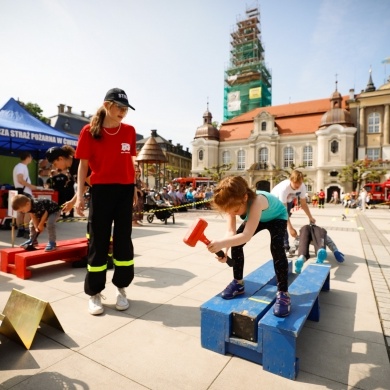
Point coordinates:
pixel 109 157
pixel 321 195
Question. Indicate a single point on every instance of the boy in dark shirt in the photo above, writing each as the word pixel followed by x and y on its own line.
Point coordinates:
pixel 42 211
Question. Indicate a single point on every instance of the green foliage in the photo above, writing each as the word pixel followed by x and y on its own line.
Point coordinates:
pixel 216 124
pixel 217 172
pixel 283 174
pixel 35 111
pixel 363 170
pixel 170 172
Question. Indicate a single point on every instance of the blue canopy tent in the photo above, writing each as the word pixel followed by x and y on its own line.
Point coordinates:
pixel 20 131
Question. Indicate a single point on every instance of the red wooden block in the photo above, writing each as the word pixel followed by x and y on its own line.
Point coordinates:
pixel 26 259
pixel 7 255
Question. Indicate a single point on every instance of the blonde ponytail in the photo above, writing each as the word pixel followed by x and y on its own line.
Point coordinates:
pixel 97 123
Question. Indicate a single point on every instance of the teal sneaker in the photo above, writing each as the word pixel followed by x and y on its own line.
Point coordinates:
pixel 299 264
pixel 321 256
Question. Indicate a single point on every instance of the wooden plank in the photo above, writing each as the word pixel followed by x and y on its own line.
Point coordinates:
pixel 280 334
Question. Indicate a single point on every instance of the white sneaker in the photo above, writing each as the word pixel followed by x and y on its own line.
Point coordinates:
pixel 95 305
pixel 121 301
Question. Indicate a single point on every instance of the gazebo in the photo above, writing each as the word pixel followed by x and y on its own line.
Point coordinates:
pixel 151 155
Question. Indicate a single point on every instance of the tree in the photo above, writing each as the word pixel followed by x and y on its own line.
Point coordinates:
pixel 216 124
pixel 217 171
pixel 35 111
pixel 362 170
pixel 283 174
pixel 170 172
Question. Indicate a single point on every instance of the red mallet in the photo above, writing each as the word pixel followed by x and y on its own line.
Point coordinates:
pixel 196 233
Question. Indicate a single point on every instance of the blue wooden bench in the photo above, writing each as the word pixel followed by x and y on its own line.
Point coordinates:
pixel 246 327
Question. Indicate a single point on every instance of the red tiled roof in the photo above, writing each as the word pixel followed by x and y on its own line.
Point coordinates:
pixel 293 118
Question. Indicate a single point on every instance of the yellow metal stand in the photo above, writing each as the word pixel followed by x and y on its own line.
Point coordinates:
pixel 22 315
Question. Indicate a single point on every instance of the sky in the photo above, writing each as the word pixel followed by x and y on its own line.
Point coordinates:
pixel 170 56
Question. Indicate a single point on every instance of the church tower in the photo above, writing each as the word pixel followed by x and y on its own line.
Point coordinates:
pixel 247 79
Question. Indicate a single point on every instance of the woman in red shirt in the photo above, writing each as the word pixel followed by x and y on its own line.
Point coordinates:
pixel 108 147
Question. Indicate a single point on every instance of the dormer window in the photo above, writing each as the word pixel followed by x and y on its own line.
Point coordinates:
pixel 263 126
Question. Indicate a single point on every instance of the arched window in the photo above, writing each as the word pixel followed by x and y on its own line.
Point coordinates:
pixel 334 146
pixel 263 126
pixel 241 160
pixel 307 156
pixel 288 158
pixel 226 157
pixel 263 155
pixel 200 155
pixel 374 123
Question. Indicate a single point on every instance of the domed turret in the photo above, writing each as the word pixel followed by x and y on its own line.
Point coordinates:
pixel 207 130
pixel 336 114
pixel 385 86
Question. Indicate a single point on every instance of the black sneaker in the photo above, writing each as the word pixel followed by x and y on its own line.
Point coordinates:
pixel 26 244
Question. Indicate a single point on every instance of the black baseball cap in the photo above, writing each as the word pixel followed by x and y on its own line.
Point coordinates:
pixel 118 96
pixel 54 153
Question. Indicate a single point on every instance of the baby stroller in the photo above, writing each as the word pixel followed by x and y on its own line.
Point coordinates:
pixel 152 210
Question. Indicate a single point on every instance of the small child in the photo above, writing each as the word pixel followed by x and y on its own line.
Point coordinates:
pixel 259 211
pixel 41 211
pixel 312 234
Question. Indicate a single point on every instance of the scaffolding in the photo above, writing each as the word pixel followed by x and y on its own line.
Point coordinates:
pixel 247 80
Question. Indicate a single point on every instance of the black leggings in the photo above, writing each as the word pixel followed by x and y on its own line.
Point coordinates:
pixel 277 228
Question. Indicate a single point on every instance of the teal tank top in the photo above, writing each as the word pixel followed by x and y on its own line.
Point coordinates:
pixel 276 209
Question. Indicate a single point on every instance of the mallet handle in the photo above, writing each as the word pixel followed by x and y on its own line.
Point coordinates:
pixel 229 261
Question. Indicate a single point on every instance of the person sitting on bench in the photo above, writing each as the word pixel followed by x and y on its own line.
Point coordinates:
pixel 313 234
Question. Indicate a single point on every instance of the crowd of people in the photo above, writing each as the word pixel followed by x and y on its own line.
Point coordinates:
pixel 360 200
